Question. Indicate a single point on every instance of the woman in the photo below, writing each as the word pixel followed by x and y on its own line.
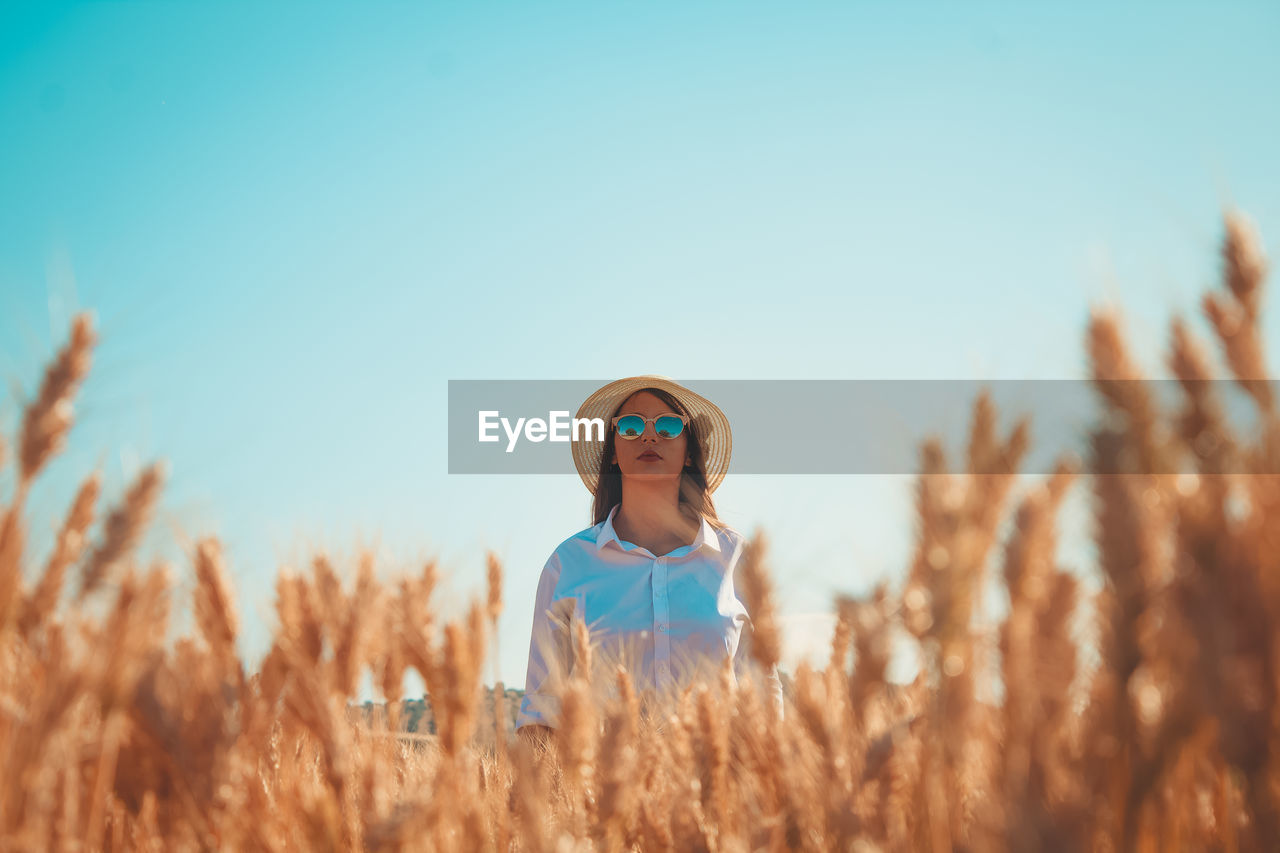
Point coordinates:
pixel 653 577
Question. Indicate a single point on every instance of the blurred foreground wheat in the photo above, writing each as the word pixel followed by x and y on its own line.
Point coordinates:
pixel 114 738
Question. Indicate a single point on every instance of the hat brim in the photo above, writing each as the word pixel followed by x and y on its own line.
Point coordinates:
pixel 710 424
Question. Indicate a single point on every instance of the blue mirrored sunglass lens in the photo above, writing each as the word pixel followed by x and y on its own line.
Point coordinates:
pixel 630 425
pixel 669 427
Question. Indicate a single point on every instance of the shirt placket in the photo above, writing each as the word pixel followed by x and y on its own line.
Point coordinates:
pixel 661 624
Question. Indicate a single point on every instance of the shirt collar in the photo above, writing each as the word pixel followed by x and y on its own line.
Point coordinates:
pixel 706 537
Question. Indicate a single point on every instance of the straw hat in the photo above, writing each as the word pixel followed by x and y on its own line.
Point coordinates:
pixel 710 424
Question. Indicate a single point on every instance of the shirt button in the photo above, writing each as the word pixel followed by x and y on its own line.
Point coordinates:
pixel 662 626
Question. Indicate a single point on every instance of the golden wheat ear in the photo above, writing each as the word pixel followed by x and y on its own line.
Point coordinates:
pixel 757 592
pixel 48 417
pixel 123 527
pixel 215 608
pixel 1234 312
pixel 68 546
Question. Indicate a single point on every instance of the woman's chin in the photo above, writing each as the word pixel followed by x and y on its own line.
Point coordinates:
pixel 651 475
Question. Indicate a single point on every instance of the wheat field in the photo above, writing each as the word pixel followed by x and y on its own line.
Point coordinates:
pixel 115 737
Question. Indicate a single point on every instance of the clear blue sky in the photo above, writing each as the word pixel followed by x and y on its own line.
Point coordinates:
pixel 296 222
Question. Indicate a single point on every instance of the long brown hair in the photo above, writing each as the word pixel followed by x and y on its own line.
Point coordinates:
pixel 695 498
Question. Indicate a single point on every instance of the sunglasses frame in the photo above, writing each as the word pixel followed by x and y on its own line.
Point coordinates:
pixel 684 424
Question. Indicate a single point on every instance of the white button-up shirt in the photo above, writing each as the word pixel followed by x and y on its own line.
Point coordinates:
pixel 668 619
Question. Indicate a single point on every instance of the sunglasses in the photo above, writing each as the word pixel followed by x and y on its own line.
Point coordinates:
pixel 669 425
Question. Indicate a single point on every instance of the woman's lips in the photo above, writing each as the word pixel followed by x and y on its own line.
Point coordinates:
pixel 649 454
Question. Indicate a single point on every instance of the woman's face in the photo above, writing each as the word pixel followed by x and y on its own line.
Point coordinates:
pixel 649 456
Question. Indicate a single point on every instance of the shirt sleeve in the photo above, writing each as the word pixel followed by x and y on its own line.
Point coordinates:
pixel 743 665
pixel 548 660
